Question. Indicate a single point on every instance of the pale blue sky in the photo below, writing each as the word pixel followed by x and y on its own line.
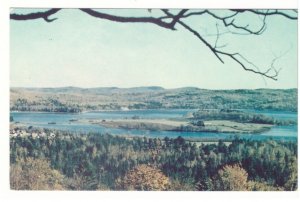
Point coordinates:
pixel 80 50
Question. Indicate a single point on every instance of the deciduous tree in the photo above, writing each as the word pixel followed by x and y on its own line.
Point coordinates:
pixel 35 174
pixel 231 178
pixel 144 177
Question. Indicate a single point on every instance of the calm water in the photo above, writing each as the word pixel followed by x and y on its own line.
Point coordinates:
pixel 62 121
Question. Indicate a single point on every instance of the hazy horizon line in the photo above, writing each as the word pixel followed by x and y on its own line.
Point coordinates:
pixel 155 86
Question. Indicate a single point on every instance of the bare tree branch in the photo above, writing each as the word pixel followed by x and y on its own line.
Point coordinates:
pixel 233 56
pixel 217 36
pixel 266 13
pixel 265 74
pixel 169 20
pixel 232 23
pixel 177 17
pixel 156 21
pixel 245 28
pixel 31 16
pixel 196 34
pixel 195 13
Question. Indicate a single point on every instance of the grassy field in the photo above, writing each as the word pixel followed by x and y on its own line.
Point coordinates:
pixel 223 126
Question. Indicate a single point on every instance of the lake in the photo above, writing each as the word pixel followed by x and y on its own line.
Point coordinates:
pixel 63 122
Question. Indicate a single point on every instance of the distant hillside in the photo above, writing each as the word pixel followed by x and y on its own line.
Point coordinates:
pixel 101 90
pixel 74 99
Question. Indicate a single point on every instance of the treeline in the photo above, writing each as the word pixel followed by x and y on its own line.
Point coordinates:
pixel 106 162
pixel 62 100
pixel 238 116
pixel 49 105
pixel 258 99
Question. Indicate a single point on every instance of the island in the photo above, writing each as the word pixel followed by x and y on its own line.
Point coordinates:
pixel 220 126
pixel 205 120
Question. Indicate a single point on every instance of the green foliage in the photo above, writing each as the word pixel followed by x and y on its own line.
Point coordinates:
pixel 96 161
pixel 48 105
pixel 177 185
pixel 76 100
pixel 238 116
pixel 262 186
pixel 198 123
pixel 292 182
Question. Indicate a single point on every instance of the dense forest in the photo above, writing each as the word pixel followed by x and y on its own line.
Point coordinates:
pixel 73 100
pixel 68 161
pixel 238 116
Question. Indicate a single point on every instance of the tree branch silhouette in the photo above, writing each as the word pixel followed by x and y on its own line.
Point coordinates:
pixel 115 18
pixel 32 16
pixel 169 20
pixel 268 13
pixel 237 57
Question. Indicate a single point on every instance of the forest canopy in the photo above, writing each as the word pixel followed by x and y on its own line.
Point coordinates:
pixel 106 162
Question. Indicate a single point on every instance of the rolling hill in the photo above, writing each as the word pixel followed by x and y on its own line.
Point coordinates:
pixel 74 99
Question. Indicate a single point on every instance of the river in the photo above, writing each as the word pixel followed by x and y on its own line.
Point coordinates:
pixel 63 122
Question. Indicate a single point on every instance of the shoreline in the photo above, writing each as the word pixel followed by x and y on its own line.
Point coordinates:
pixel 159 109
pixel 105 110
pixel 213 126
pixel 226 137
